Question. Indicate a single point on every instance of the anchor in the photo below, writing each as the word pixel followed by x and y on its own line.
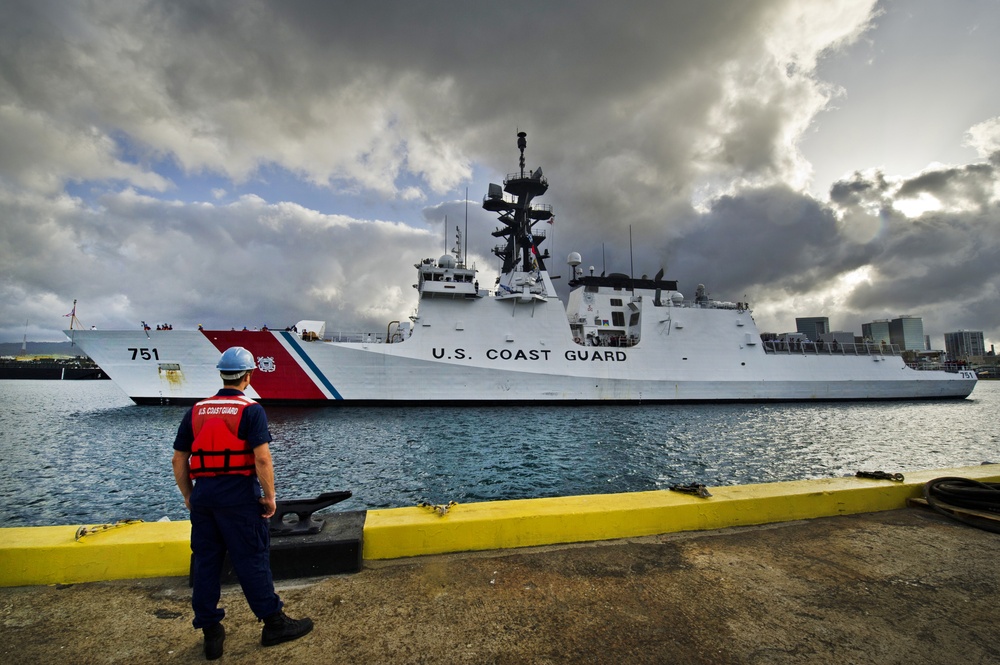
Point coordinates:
pixel 304 509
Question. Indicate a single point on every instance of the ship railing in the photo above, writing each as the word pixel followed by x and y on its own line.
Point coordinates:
pixel 505 198
pixel 619 341
pixel 954 368
pixel 829 348
pixel 708 304
pixel 525 175
pixel 607 341
pixel 356 337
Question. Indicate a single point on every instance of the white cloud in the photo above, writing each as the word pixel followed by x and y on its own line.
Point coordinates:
pixel 984 137
pixel 40 154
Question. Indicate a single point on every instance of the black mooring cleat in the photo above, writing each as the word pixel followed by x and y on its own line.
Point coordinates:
pixel 304 509
pixel 310 553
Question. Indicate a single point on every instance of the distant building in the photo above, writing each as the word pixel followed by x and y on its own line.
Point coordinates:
pixel 813 326
pixel 963 344
pixel 877 331
pixel 907 332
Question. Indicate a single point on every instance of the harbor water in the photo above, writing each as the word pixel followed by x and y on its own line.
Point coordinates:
pixel 79 452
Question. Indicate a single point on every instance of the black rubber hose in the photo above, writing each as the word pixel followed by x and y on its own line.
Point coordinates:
pixel 951 492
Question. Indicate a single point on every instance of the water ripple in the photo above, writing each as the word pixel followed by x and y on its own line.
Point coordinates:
pixel 78 452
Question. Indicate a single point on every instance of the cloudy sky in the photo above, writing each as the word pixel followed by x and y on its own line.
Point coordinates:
pixel 250 163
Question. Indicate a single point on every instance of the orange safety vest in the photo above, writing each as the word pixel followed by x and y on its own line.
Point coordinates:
pixel 216 449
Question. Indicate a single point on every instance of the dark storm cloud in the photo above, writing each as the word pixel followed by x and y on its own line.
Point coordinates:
pixel 860 189
pixel 944 264
pixel 380 89
pixel 970 185
pixel 772 238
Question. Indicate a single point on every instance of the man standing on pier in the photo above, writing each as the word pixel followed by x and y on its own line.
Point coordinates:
pixel 222 466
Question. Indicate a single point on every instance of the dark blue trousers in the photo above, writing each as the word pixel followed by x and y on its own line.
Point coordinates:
pixel 241 531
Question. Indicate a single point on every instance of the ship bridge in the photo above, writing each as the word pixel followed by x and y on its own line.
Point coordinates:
pixel 446 278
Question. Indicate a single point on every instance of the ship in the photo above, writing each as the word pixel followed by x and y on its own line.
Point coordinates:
pixel 617 339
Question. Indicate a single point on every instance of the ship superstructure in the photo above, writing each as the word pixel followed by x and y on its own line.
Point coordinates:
pixel 616 339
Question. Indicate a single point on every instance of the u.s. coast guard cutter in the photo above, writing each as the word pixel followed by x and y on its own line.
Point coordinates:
pixel 617 339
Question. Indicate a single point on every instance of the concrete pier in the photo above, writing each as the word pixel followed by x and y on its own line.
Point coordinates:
pixel 902 586
pixel 834 570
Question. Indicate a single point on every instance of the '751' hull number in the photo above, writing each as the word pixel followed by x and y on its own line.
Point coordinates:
pixel 144 354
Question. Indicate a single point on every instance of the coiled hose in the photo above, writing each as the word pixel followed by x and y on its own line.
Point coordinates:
pixel 949 492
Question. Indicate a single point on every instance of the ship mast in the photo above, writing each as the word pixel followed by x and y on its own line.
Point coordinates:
pixel 519 216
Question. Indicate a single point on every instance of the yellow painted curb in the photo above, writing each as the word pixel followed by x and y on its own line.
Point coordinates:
pixel 52 555
pixel 403 532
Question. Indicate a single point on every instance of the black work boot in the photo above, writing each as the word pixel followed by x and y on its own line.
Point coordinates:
pixel 279 628
pixel 214 637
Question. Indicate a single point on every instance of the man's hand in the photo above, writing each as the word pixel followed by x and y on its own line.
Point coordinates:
pixel 265 474
pixel 269 506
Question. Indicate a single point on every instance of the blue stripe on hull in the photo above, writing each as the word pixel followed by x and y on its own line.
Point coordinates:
pixel 294 343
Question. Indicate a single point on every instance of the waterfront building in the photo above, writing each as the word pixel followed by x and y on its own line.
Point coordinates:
pixel 962 344
pixel 813 326
pixel 907 332
pixel 877 331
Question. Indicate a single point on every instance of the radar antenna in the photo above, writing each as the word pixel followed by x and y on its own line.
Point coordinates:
pixel 518 216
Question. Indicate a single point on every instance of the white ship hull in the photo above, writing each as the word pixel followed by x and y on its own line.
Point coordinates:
pixel 514 352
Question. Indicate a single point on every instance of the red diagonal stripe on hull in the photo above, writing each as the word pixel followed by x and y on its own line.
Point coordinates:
pixel 288 381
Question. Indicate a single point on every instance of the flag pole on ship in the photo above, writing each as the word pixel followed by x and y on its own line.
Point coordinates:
pixel 72 320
